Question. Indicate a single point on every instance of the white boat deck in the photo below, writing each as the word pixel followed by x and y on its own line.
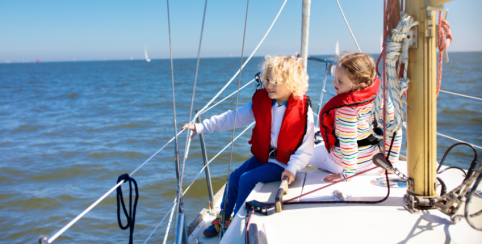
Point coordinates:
pixel 386 222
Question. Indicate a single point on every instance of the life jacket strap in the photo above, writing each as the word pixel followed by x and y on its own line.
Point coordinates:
pixel 370 140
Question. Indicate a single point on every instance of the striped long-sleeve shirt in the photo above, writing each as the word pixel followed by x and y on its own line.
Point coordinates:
pixel 352 124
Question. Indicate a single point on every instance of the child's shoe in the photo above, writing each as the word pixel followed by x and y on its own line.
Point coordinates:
pixel 215 227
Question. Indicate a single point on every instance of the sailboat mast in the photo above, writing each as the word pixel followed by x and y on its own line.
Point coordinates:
pixel 422 103
pixel 305 32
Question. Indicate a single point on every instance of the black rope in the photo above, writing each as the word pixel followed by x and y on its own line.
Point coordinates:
pixel 453 167
pixel 131 217
pixel 443 189
pixel 472 165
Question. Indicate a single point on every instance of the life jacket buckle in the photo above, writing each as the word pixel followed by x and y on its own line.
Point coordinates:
pixel 272 152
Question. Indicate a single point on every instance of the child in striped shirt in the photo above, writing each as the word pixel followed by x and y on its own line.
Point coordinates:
pixel 348 145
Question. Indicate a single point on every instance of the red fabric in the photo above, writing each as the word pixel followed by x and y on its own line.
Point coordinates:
pixel 391 17
pixel 291 132
pixel 444 39
pixel 352 99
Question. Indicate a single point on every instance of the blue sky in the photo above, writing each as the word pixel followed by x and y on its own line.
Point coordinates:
pixel 115 30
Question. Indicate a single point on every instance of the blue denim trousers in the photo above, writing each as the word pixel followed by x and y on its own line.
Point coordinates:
pixel 243 180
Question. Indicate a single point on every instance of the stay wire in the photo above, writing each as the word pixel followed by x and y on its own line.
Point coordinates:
pixel 176 144
pixel 180 207
pixel 346 21
pixel 234 125
pixel 194 89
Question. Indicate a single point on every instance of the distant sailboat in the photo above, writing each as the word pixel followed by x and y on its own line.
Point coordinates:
pixel 337 49
pixel 145 53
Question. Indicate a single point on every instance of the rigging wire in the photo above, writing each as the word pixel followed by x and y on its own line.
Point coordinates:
pixel 176 145
pixel 180 207
pixel 195 178
pixel 346 21
pixel 192 182
pixel 234 124
pixel 462 95
pixel 170 211
pixel 449 137
pixel 247 60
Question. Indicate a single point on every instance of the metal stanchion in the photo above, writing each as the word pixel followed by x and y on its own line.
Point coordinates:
pixel 208 174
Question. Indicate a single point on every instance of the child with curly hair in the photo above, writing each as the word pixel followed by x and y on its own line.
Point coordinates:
pixel 282 139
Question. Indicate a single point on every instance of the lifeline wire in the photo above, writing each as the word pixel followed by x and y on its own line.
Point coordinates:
pixel 247 128
pixel 189 186
pixel 346 21
pixel 455 139
pixel 166 234
pixel 462 95
pixel 61 231
pixel 170 211
pixel 234 125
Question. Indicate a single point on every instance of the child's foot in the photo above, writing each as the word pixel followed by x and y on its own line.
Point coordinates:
pixel 215 227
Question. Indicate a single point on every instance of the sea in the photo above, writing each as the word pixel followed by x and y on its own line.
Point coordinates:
pixel 68 130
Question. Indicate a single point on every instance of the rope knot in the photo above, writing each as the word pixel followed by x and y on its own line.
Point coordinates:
pixel 131 216
pixel 124 177
pixel 444 37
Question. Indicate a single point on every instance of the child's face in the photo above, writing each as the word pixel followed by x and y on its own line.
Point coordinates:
pixel 278 91
pixel 342 83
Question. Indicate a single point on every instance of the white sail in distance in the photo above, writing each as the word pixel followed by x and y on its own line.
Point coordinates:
pixel 145 54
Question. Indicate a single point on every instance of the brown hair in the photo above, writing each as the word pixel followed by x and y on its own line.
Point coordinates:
pixel 360 69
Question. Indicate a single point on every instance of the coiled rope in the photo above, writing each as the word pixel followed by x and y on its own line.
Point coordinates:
pixel 131 216
pixel 396 52
pixel 444 39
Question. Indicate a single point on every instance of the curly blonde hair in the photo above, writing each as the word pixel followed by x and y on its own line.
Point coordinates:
pixel 286 70
pixel 360 68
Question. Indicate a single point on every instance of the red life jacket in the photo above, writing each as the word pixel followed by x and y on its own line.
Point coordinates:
pixel 350 99
pixel 293 127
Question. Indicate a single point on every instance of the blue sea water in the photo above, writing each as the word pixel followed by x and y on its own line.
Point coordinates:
pixel 69 129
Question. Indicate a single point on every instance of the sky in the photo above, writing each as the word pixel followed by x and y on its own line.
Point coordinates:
pixel 118 30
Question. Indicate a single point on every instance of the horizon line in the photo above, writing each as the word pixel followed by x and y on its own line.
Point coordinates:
pixel 152 59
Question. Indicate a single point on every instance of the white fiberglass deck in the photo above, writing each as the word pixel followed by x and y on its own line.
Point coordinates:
pixel 386 222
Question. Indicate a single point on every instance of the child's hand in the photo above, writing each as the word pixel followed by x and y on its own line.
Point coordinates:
pixel 332 178
pixel 191 127
pixel 382 172
pixel 291 176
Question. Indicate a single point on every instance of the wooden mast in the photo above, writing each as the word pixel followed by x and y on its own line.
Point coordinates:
pixel 422 100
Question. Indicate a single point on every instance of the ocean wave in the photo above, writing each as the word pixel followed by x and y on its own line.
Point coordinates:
pixel 125 155
pixel 73 95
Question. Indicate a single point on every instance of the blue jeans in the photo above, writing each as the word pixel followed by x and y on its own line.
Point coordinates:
pixel 243 180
